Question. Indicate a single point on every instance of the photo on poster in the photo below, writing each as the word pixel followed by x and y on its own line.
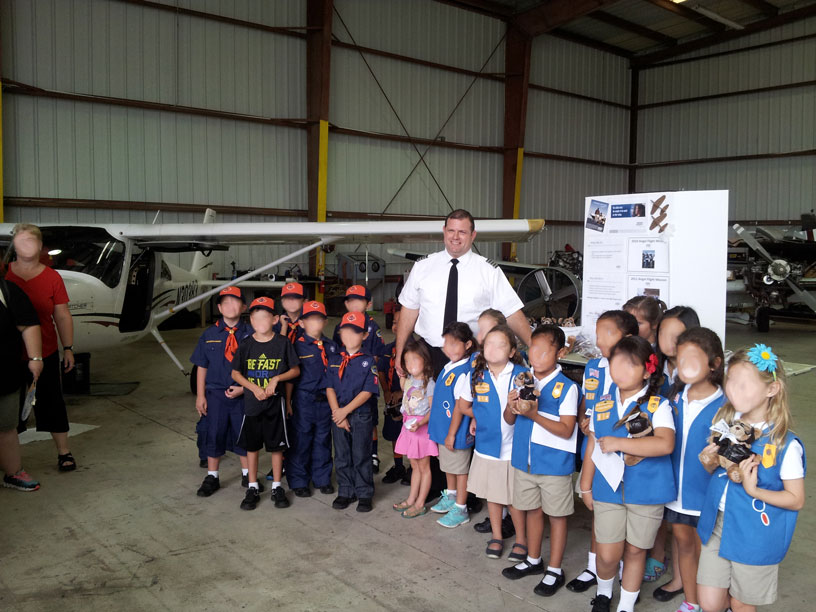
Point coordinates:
pixel 597 215
pixel 629 218
pixel 653 286
pixel 650 254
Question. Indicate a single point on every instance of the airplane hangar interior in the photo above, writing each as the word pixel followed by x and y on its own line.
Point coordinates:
pixel 327 304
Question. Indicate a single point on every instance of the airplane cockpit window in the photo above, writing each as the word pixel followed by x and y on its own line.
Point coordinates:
pixel 90 250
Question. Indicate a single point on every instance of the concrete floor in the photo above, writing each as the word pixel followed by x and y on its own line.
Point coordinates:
pixel 127 532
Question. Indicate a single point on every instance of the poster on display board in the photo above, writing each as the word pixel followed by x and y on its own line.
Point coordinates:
pixel 670 245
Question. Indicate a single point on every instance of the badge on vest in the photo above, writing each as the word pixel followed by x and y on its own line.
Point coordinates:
pixel 763 516
pixel 481 387
pixel 604 415
pixel 449 379
pixel 591 384
pixel 446 405
pixel 769 456
pixel 603 406
pixel 483 398
pixel 557 389
pixel 590 396
pixel 593 373
pixel 654 403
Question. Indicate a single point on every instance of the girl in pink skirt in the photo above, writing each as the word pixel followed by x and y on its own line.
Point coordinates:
pixel 414 441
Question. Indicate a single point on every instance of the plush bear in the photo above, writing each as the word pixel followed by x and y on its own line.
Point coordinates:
pixel 528 394
pixel 731 450
pixel 637 425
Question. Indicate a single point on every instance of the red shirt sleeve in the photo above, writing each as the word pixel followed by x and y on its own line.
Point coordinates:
pixel 58 288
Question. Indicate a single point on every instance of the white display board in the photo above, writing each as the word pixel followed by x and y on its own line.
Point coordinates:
pixel 672 245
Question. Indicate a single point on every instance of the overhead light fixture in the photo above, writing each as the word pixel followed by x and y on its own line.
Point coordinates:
pixel 54 252
pixel 712 15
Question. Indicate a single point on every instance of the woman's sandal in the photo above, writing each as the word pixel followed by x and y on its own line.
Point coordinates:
pixel 66 463
pixel 654 569
pixel 518 557
pixel 401 506
pixel 494 553
pixel 411 513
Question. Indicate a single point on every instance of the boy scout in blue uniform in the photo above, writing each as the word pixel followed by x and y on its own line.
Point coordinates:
pixel 352 391
pixel 358 299
pixel 310 457
pixel 292 300
pixel 218 399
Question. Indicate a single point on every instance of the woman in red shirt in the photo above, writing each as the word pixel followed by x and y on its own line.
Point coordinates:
pixel 45 289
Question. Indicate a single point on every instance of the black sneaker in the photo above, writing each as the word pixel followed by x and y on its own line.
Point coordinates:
pixel 303 492
pixel 406 478
pixel 210 485
pixel 375 464
pixel 251 499
pixel 327 489
pixel 507 528
pixel 202 463
pixel 279 497
pixel 394 474
pixel 514 573
pixel 601 603
pixel 364 505
pixel 341 503
pixel 483 526
pixel 548 590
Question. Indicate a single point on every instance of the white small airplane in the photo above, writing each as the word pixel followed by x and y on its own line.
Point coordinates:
pixel 121 287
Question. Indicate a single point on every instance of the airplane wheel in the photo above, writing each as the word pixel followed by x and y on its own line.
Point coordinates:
pixel 193 379
pixel 763 321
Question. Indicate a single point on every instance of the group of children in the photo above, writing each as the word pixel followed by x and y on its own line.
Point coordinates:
pixel 512 430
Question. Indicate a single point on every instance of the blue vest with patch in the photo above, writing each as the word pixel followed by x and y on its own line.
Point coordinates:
pixel 753 533
pixel 695 477
pixel 594 382
pixel 649 482
pixel 537 458
pixel 442 408
pixel 489 413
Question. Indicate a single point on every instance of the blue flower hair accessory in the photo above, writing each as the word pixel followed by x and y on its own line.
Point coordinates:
pixel 763 358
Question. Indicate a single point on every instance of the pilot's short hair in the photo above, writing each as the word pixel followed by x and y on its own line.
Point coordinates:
pixel 27 227
pixel 461 213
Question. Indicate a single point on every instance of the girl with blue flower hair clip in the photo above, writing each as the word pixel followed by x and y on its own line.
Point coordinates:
pixel 742 548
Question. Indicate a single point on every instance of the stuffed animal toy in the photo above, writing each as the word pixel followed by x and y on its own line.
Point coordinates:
pixel 732 448
pixel 528 394
pixel 637 425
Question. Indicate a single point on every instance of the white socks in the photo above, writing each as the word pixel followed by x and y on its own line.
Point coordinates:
pixel 244 471
pixel 627 600
pixel 214 474
pixel 451 493
pixel 460 506
pixel 548 579
pixel 253 485
pixel 275 484
pixel 605 587
pixel 530 560
pixel 585 576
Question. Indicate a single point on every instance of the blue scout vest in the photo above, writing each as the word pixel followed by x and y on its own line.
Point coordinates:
pixel 488 413
pixel 594 383
pixel 753 533
pixel 649 482
pixel 543 459
pixel 313 377
pixel 695 476
pixel 442 409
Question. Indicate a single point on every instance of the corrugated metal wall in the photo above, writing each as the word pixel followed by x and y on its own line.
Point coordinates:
pixel 562 125
pixel 777 121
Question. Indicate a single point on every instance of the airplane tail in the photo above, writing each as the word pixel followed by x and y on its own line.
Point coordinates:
pixel 201 262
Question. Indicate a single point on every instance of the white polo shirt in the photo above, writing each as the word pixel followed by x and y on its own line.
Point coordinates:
pixel 482 285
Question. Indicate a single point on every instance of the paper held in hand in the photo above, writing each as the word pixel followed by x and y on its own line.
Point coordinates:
pixel 722 428
pixel 610 465
pixel 30 400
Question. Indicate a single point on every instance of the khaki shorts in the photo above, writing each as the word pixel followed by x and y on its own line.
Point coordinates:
pixel 635 523
pixel 456 461
pixel 9 411
pixel 754 585
pixel 491 479
pixel 553 494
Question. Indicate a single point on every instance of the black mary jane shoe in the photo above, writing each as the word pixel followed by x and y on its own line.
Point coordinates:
pixel 661 594
pixel 514 573
pixel 548 590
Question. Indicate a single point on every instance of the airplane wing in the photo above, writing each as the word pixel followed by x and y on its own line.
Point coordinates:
pixel 177 236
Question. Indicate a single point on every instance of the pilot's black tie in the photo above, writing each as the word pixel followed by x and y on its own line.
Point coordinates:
pixel 452 297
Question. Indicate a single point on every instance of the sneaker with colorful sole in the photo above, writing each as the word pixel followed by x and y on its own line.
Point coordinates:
pixel 20 481
pixel 456 516
pixel 445 503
